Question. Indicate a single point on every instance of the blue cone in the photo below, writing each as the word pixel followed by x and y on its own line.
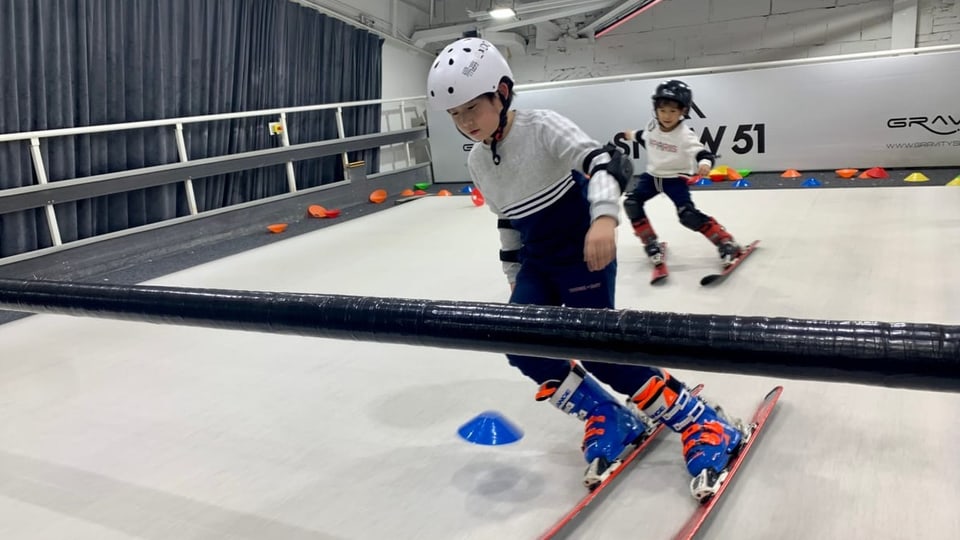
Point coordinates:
pixel 490 428
pixel 466 189
pixel 703 181
pixel 811 182
pixel 741 184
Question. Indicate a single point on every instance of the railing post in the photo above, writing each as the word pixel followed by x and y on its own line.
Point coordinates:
pixel 42 179
pixel 188 183
pixel 403 125
pixel 285 140
pixel 340 133
pixel 385 115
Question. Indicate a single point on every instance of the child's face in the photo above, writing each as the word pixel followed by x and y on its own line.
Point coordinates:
pixel 669 114
pixel 478 118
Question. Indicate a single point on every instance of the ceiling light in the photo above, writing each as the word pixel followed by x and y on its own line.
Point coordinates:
pixel 502 13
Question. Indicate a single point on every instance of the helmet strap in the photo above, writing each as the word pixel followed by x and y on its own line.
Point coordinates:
pixel 498 134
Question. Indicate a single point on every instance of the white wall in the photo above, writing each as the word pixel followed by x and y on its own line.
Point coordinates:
pixel 939 22
pixel 894 111
pixel 455 11
pixel 404 75
pixel 404 70
pixel 381 13
pixel 678 34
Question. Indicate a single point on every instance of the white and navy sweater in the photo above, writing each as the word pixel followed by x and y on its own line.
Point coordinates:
pixel 544 209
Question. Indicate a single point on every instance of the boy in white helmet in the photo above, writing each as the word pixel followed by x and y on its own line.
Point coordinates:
pixel 558 247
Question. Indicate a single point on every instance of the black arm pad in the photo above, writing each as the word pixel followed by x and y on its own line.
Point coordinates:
pixel 620 165
pixel 706 154
pixel 512 255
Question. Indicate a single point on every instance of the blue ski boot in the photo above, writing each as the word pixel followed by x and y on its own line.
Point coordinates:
pixel 612 429
pixel 710 439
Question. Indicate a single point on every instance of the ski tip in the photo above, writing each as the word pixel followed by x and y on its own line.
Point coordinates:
pixel 709 279
pixel 776 390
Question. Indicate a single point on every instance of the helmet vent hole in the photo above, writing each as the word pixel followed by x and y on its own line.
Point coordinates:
pixel 449 89
pixel 466 49
pixel 450 62
pixel 432 94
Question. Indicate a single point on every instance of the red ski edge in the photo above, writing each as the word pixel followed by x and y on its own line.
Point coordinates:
pixel 589 497
pixel 707 280
pixel 692 527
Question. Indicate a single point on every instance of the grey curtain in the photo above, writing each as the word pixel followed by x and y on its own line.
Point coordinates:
pixel 68 63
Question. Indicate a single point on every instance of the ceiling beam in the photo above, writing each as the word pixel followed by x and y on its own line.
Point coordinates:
pixel 352 19
pixel 449 33
pixel 616 17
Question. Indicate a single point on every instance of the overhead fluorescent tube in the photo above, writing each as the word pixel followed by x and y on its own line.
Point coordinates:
pixel 502 13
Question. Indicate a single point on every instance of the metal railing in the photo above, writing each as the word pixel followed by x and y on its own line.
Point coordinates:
pixel 46 194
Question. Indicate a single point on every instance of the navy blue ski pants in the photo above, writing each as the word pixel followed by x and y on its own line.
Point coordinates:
pixel 573 286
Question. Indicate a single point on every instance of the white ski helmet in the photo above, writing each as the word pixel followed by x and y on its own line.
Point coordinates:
pixel 465 69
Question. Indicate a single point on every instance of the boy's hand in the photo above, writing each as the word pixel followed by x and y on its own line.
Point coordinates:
pixel 600 246
pixel 704 170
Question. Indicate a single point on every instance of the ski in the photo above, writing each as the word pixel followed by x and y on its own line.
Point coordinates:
pixel 411 198
pixel 692 527
pixel 715 278
pixel 592 495
pixel 660 271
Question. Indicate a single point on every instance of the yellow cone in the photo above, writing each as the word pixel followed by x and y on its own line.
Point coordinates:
pixel 916 177
pixel 718 173
pixel 954 182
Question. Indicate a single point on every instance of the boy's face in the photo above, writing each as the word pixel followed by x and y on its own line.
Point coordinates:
pixel 477 118
pixel 669 114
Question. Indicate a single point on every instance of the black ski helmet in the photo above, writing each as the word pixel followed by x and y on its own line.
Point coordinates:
pixel 674 90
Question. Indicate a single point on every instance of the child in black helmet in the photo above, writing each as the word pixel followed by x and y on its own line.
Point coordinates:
pixel 673 153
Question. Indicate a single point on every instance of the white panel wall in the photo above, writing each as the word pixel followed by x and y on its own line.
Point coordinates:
pixel 898 111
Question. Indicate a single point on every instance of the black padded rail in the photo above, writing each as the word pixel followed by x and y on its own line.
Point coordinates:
pixel 903 355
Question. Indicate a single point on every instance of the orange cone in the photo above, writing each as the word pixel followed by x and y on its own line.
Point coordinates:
pixel 277 228
pixel 791 173
pixel 846 173
pixel 316 211
pixel 378 196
